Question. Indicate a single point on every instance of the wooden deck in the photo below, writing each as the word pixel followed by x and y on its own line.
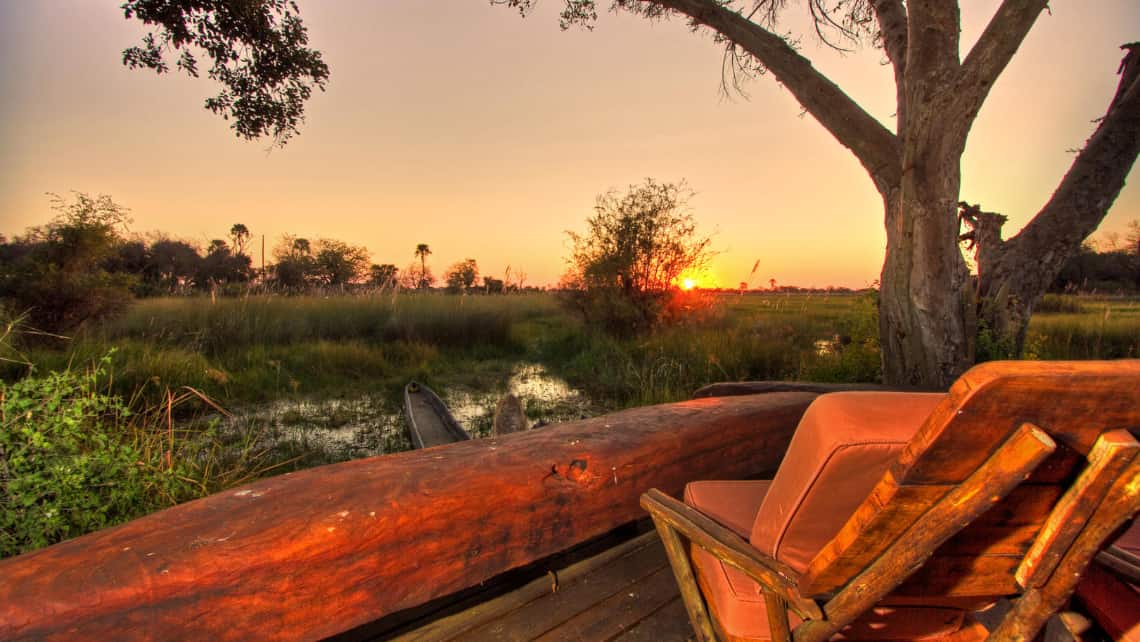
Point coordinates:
pixel 626 593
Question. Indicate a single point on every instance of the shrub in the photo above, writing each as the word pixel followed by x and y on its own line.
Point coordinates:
pixel 66 468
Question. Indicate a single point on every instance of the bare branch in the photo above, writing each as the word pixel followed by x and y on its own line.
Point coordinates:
pixel 1095 178
pixel 873 144
pixel 994 49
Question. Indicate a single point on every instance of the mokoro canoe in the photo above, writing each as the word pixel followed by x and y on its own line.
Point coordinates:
pixel 429 421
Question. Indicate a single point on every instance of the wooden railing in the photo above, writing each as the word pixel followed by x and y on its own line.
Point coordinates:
pixel 314 553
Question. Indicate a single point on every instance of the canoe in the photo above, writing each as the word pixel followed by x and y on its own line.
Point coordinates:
pixel 429 421
pixel 325 551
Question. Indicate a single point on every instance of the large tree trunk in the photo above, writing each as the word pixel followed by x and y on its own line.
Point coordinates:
pixel 925 321
pixel 925 328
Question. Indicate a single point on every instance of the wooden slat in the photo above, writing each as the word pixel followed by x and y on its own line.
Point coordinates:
pixel 315 553
pixel 958 576
pixel 559 594
pixel 1111 454
pixel 1074 400
pixel 998 475
pixel 605 576
pixel 883 517
pixel 670 622
pixel 611 617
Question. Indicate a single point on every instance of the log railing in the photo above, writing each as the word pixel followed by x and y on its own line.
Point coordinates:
pixel 314 553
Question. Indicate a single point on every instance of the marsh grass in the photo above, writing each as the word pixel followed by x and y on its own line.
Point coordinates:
pixel 254 349
pixel 1107 328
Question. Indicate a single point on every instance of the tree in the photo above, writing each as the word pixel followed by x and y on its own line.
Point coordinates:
pixel 461 276
pixel 64 273
pixel 221 266
pixel 416 277
pixel 383 275
pixel 492 285
pixel 294 268
pixel 173 264
pixel 258 52
pixel 636 246
pixel 337 263
pixel 422 252
pixel 239 234
pixel 930 309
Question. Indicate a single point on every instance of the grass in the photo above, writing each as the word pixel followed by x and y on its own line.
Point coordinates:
pixel 256 349
pixel 1104 328
pixel 325 363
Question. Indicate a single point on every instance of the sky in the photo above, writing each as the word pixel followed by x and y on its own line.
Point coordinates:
pixel 486 135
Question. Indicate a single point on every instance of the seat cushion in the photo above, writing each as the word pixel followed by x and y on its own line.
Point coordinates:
pixel 736 602
pixel 841 448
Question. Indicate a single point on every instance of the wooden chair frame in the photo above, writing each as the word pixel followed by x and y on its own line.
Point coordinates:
pixel 1103 497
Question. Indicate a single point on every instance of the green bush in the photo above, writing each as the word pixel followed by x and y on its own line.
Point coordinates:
pixel 66 467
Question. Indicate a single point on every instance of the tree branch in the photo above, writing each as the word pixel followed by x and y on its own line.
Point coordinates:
pixel 892 19
pixel 993 51
pixel 1094 180
pixel 873 144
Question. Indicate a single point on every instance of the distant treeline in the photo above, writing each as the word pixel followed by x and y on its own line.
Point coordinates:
pixel 82 265
pixel 1116 269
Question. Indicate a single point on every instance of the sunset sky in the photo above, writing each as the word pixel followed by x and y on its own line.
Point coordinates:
pixel 485 135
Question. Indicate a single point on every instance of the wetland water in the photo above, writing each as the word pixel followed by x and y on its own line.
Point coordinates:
pixel 366 425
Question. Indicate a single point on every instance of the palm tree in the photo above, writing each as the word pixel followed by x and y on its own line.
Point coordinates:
pixel 240 234
pixel 422 251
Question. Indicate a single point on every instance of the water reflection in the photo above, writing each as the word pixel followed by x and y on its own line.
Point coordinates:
pixel 367 425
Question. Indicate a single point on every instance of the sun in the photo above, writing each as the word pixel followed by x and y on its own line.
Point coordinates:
pixel 688 284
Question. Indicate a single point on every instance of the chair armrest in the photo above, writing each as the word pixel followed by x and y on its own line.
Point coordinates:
pixel 775 576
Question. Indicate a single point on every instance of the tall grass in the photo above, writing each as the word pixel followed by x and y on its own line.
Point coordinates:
pixel 259 348
pixel 1105 329
pixel 805 337
pixel 217 327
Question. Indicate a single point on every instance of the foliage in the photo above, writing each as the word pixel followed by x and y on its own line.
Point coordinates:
pixel 66 467
pixel 1090 270
pixel 58 272
pixel 623 270
pixel 383 275
pixel 417 276
pixel 258 51
pixel 221 265
pixel 338 264
pixel 239 234
pixel 461 277
pixel 492 285
pixel 422 252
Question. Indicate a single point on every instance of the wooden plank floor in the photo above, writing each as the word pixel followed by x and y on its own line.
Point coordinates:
pixel 625 594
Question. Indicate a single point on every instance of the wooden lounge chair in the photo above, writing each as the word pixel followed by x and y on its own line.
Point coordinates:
pixel 896 515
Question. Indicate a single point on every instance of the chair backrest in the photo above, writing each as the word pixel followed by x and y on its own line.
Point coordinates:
pixel 1019 540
